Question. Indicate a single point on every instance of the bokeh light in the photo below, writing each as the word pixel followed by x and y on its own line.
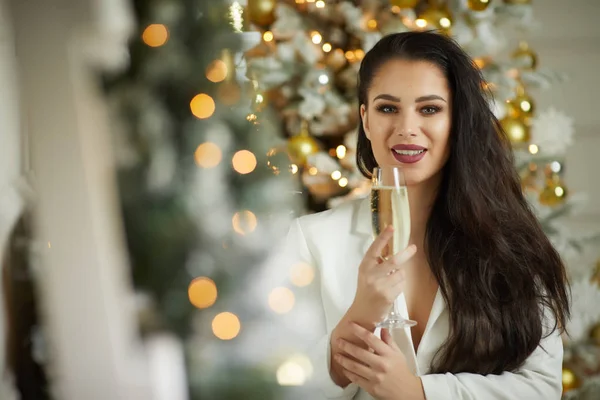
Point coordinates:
pixel 155 35
pixel 216 71
pixel 281 300
pixel 244 161
pixel 208 155
pixel 226 326
pixel 244 222
pixel 202 292
pixel 302 274
pixel 202 106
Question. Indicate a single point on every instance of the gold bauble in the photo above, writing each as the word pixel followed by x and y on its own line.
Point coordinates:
pixel 261 12
pixel 524 52
pixel 595 334
pixel 554 192
pixel 516 130
pixel 301 146
pixel 478 5
pixel 404 3
pixel 521 106
pixel 569 379
pixel 438 17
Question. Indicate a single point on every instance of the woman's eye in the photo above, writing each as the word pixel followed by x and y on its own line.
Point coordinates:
pixel 430 110
pixel 386 109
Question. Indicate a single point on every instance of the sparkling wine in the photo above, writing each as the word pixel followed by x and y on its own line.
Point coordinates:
pixel 389 206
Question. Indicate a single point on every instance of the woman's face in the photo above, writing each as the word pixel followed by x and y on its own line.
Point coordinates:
pixel 408 118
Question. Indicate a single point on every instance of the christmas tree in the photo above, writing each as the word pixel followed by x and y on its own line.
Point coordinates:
pixel 306 68
pixel 200 202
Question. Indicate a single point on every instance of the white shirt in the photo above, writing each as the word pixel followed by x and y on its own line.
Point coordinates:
pixel 334 243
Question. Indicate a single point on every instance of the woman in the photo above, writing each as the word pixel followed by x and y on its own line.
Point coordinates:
pixel 480 278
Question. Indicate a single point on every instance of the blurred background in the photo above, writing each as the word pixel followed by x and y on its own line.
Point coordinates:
pixel 153 153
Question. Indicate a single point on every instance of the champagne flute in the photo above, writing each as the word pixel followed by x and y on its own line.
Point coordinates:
pixel 389 206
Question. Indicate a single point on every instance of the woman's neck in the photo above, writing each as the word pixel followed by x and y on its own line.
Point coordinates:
pixel 421 198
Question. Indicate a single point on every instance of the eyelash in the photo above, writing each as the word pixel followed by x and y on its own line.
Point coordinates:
pixel 381 108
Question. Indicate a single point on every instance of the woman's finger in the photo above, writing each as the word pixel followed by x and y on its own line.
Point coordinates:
pixel 404 255
pixel 362 355
pixel 355 367
pixel 371 341
pixel 376 248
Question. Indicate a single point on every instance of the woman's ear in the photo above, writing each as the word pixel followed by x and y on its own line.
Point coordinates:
pixel 365 122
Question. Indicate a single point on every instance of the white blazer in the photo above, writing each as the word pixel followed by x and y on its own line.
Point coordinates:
pixel 334 243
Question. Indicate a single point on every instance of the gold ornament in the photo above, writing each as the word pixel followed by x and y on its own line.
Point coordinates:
pixel 404 3
pixel 516 130
pixel 595 334
pixel 554 193
pixel 261 12
pixel 521 106
pixel 478 5
pixel 438 17
pixel 569 379
pixel 525 53
pixel 302 145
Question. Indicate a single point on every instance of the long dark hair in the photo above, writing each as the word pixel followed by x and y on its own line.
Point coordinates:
pixel 497 270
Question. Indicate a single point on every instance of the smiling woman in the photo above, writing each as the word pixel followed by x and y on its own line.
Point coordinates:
pixel 480 278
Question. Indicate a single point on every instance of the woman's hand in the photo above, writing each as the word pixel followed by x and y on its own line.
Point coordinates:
pixel 381 370
pixel 380 281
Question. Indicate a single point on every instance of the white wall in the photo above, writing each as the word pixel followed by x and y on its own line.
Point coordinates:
pixel 569 42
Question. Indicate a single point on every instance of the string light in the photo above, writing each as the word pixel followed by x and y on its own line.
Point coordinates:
pixel 533 149
pixel 359 54
pixel 294 371
pixel 323 79
pixel 445 23
pixel 320 4
pixel 244 162
pixel 281 300
pixel 343 182
pixel 202 106
pixel 207 155
pixel 293 168
pixel 268 36
pixel 340 151
pixel 555 166
pixel 421 23
pixel 326 47
pixel 251 117
pixel 335 175
pixel 559 191
pixel 216 71
pixel 350 56
pixel 312 171
pixel 155 35
pixel 316 37
pixel 226 326
pixel 202 292
pixel 244 222
pixel 302 274
pixel 372 24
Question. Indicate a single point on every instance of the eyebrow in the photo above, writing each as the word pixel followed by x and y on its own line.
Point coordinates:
pixel 417 100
